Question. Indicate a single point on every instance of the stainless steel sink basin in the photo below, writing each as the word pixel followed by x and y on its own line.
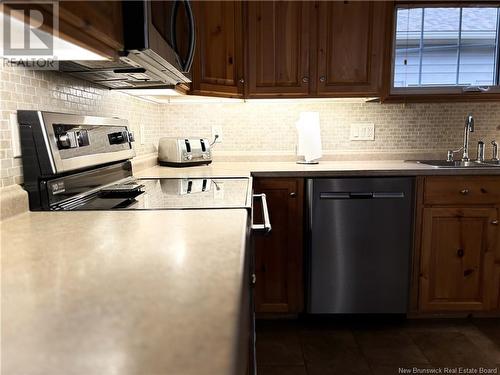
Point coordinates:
pixel 458 164
pixel 495 163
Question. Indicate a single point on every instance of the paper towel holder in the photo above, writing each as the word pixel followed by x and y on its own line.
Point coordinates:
pixel 307 161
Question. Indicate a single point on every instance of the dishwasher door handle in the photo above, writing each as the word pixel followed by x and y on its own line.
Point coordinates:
pixel 361 195
pixel 266 227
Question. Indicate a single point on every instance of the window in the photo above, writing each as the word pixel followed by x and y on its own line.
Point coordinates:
pixel 446 49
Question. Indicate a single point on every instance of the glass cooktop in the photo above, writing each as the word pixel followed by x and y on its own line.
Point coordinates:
pixel 168 193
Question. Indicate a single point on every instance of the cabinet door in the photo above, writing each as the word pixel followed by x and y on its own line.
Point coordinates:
pixel 93 25
pixel 350 47
pixel 279 255
pixel 218 63
pixel 458 268
pixel 278 48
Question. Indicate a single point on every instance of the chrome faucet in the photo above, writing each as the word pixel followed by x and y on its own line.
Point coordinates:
pixel 469 128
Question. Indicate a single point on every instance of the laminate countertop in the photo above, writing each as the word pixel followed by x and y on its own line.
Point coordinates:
pixel 323 169
pixel 128 293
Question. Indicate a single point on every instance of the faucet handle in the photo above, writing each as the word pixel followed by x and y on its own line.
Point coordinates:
pixel 480 151
pixel 451 154
pixel 495 150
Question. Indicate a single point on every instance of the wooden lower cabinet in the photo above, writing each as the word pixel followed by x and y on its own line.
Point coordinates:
pixel 459 258
pixel 279 255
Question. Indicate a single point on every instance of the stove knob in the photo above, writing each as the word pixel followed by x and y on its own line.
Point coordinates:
pixel 189 157
pixel 204 156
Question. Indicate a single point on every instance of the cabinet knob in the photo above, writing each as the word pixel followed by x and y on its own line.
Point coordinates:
pixel 468 272
pixel 322 79
pixel 494 222
pixel 464 191
pixel 460 253
pixel 242 80
pixel 254 279
pixel 305 79
pixel 293 194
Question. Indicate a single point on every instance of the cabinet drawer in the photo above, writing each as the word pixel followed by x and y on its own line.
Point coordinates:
pixel 462 190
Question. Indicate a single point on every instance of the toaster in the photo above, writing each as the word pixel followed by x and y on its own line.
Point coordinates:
pixel 184 152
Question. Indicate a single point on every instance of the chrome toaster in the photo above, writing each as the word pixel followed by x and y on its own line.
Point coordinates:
pixel 184 152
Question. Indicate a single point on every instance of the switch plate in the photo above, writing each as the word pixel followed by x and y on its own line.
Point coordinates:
pixel 142 135
pixel 362 132
pixel 15 139
pixel 217 129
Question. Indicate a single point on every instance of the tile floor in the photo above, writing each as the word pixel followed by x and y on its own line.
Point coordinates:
pixel 352 347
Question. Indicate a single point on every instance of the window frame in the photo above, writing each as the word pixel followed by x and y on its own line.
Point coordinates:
pixel 442 89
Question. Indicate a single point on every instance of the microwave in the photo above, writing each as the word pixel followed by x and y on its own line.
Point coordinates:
pixel 159 45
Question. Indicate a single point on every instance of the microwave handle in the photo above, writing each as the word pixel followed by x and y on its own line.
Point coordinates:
pixel 185 65
pixel 192 37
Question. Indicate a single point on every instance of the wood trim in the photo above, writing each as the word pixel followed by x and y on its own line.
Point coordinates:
pixel 448 3
pixel 388 97
pixel 433 98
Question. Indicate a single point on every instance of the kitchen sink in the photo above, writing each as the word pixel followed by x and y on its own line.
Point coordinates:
pixel 459 164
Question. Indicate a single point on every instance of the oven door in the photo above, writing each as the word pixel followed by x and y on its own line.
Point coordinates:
pixel 172 32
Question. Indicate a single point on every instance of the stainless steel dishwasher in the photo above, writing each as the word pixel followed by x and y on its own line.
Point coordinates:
pixel 360 235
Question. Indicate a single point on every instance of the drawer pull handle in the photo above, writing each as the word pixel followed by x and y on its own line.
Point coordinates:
pixel 460 253
pixel 494 222
pixel 293 194
pixel 464 191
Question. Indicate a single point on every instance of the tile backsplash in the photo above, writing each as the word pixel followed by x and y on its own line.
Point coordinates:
pixel 57 92
pixel 250 128
pixel 267 127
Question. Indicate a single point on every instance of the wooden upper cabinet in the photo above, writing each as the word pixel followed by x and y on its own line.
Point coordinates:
pixel 278 48
pixel 93 25
pixel 218 61
pixel 350 47
pixel 101 20
pixel 458 270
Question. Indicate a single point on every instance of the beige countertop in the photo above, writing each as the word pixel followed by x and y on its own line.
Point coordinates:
pixel 323 169
pixel 128 293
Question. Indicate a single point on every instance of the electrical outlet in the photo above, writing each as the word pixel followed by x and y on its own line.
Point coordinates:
pixel 362 132
pixel 217 130
pixel 15 139
pixel 142 135
pixel 218 191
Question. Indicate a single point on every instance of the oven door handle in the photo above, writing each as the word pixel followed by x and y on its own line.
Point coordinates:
pixel 266 227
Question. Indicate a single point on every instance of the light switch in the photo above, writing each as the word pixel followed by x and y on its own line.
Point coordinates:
pixel 362 132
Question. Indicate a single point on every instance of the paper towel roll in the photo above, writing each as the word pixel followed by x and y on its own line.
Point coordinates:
pixel 309 136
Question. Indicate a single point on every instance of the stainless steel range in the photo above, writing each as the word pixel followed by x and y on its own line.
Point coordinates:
pixel 74 162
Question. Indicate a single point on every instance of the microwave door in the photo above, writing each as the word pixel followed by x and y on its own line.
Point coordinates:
pixel 172 33
pixel 182 24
